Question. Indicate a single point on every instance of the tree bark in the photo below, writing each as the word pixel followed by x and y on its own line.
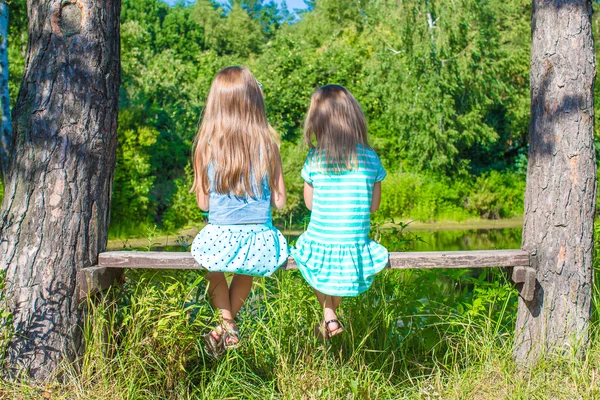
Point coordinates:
pixel 55 214
pixel 561 181
pixel 6 124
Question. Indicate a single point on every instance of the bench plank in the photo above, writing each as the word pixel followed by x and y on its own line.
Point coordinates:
pixel 407 260
pixel 111 264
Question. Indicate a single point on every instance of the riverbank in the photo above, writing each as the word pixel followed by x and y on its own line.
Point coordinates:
pixel 417 226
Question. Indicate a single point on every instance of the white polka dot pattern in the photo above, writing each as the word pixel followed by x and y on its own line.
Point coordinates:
pixel 256 250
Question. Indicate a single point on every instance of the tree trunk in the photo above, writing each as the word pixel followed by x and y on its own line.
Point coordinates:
pixel 55 213
pixel 5 125
pixel 561 181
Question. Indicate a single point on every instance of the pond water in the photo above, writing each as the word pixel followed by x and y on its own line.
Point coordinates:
pixel 475 239
pixel 429 240
pixel 456 239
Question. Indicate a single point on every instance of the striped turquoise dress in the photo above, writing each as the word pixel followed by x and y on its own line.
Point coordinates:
pixel 335 254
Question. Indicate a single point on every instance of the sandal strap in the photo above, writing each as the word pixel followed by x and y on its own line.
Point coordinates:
pixel 332 321
pixel 231 331
pixel 334 332
pixel 214 347
pixel 229 326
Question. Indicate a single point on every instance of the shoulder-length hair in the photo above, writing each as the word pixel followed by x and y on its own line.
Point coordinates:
pixel 338 124
pixel 235 138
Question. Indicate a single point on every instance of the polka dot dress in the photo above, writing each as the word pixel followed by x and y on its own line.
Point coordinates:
pixel 255 249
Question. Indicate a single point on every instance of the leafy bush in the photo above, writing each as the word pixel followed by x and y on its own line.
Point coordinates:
pixel 440 102
pixel 422 197
pixel 184 208
pixel 426 197
pixel 497 195
pixel 131 204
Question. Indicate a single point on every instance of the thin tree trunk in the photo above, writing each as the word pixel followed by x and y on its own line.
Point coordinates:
pixel 5 125
pixel 55 214
pixel 561 181
pixel 431 25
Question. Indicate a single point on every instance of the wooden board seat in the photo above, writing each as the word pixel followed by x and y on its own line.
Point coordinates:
pixel 110 265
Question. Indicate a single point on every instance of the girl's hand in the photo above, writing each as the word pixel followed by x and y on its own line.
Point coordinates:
pixel 308 195
pixel 279 195
pixel 203 201
pixel 376 197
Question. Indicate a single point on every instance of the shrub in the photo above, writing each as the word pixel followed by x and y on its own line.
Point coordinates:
pixel 427 197
pixel 184 208
pixel 497 195
pixel 422 197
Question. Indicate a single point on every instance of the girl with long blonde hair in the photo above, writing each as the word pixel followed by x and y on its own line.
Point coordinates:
pixel 342 187
pixel 237 178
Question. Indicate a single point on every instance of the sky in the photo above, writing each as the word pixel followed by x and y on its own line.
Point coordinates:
pixel 292 4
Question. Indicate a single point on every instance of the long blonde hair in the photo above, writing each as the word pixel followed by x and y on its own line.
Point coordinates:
pixel 337 121
pixel 235 138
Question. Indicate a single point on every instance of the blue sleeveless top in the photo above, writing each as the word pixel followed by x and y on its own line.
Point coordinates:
pixel 228 209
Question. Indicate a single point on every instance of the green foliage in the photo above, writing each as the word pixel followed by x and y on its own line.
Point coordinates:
pixel 497 195
pixel 470 58
pixel 444 86
pixel 184 208
pixel 422 197
pixel 17 46
pixel 428 197
pixel 181 33
pixel 131 203
pixel 292 159
pixel 238 33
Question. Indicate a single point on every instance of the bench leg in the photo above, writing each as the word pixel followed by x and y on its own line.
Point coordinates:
pixel 93 280
pixel 525 279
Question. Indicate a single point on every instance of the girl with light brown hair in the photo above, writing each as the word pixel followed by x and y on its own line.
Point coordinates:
pixel 342 188
pixel 237 178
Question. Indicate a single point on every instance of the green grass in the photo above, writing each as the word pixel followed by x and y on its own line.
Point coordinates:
pixel 415 335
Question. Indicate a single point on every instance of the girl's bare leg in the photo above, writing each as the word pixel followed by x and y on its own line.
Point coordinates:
pixel 228 300
pixel 219 293
pixel 330 305
pixel 238 292
pixel 336 301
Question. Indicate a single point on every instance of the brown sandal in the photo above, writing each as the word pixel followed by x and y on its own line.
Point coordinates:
pixel 215 347
pixel 323 332
pixel 224 336
pixel 230 332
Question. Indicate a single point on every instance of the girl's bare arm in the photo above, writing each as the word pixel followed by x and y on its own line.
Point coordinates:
pixel 203 201
pixel 308 195
pixel 279 195
pixel 376 197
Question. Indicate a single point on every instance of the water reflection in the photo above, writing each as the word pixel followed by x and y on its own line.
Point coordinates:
pixel 431 240
pixel 476 239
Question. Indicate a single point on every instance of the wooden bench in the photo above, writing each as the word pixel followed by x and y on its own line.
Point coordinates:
pixel 111 264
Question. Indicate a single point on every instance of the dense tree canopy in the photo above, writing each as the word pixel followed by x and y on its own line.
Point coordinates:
pixel 444 85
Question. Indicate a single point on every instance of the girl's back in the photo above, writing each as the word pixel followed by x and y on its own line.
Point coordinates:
pixel 228 209
pixel 341 202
